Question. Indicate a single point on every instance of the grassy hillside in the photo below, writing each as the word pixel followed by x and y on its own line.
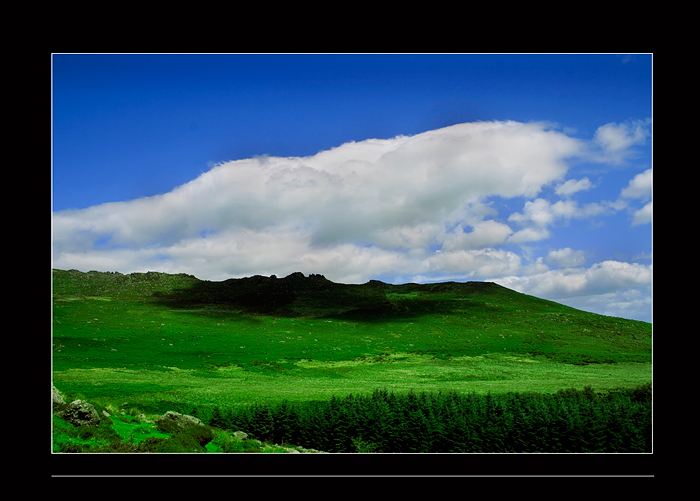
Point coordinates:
pixel 158 340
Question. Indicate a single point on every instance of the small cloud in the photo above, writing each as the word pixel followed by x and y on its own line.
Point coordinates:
pixel 643 215
pixel 641 255
pixel 529 235
pixel 639 186
pixel 484 234
pixel 615 139
pixel 566 257
pixel 573 186
pixel 537 215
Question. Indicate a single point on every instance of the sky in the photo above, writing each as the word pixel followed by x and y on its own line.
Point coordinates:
pixel 533 171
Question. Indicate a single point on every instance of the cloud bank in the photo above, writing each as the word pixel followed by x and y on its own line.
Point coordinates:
pixel 601 278
pixel 410 208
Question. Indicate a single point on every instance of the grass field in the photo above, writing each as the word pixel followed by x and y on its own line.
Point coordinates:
pixel 154 340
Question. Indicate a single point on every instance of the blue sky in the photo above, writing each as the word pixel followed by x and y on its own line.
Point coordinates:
pixel 530 170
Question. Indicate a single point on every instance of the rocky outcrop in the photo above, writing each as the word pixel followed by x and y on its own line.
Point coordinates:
pixel 56 398
pixel 80 413
pixel 181 420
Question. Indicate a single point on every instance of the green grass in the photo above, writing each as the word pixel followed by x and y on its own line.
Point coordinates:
pixel 155 340
pixel 128 429
pixel 318 380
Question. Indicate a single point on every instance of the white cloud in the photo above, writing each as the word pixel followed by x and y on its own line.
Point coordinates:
pixel 616 140
pixel 601 278
pixel 484 234
pixel 643 215
pixel 642 255
pixel 538 214
pixel 375 208
pixel 573 186
pixel 639 186
pixel 418 236
pixel 633 303
pixel 481 263
pixel 532 234
pixel 267 213
pixel 566 257
pixel 534 268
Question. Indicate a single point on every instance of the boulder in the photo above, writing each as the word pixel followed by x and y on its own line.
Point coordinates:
pixel 182 420
pixel 240 435
pixel 80 413
pixel 56 397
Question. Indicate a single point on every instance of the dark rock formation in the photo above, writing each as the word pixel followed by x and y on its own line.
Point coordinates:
pixel 80 413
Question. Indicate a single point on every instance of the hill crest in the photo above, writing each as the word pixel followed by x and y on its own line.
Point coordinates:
pixel 466 317
pixel 293 295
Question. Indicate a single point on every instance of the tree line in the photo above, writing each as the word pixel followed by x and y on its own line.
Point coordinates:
pixel 567 421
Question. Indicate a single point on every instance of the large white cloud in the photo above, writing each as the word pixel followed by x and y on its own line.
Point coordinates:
pixel 387 199
pixel 411 208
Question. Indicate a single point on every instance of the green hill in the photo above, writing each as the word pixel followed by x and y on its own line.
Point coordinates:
pixel 155 338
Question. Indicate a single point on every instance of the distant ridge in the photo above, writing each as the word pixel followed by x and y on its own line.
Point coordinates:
pixel 469 317
pixel 292 296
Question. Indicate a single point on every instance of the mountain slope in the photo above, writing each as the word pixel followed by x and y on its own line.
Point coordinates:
pixel 443 318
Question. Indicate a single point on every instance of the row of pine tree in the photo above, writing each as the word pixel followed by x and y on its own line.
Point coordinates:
pixel 567 421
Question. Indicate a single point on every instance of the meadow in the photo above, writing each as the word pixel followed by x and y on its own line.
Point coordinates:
pixel 166 342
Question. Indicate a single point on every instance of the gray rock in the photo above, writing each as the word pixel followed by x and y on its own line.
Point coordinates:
pixel 182 420
pixel 56 397
pixel 80 413
pixel 240 435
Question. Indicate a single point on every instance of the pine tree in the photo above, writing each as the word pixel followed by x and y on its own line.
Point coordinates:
pixel 430 429
pixel 613 428
pixel 516 439
pixel 410 430
pixel 453 424
pixel 217 418
pixel 262 425
pixel 341 439
pixel 353 413
pixel 596 429
pixel 305 434
pixel 541 424
pixel 379 433
pixel 283 422
pixel 313 426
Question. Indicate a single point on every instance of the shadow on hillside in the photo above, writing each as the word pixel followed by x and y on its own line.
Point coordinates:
pixel 317 297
